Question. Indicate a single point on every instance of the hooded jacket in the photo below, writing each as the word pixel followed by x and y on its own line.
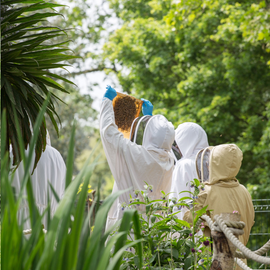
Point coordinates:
pixel 132 165
pixel 222 192
pixel 190 139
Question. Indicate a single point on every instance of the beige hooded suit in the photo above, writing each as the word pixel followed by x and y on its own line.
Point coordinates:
pixel 223 193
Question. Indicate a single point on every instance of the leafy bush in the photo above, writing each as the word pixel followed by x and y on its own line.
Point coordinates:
pixel 169 243
pixel 70 243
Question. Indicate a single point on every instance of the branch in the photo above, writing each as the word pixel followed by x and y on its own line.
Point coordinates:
pixel 101 68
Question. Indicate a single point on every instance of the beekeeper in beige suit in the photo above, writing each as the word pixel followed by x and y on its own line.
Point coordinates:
pixel 217 168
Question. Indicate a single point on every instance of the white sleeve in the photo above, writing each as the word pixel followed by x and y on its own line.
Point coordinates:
pixel 119 150
pixel 182 176
pixel 181 181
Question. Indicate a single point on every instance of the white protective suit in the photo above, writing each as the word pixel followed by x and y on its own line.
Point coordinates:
pixel 190 138
pixel 132 165
pixel 50 168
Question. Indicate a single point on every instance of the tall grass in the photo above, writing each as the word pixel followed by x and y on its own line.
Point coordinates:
pixel 72 241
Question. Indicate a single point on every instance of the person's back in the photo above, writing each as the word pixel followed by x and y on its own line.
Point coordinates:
pixel 190 139
pixel 51 169
pixel 222 192
pixel 132 165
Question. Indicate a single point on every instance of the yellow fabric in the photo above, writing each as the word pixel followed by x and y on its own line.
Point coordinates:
pixel 223 193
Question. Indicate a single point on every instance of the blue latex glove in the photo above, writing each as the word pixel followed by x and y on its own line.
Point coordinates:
pixel 110 93
pixel 147 107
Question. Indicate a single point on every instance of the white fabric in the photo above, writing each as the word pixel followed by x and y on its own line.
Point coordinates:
pixel 132 165
pixel 190 138
pixel 48 139
pixel 50 168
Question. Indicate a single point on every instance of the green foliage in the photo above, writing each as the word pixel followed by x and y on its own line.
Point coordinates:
pixel 74 106
pixel 101 173
pixel 86 138
pixel 28 56
pixel 260 231
pixel 89 26
pixel 202 61
pixel 169 243
pixel 70 243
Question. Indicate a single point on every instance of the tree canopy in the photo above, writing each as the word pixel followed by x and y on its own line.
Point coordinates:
pixel 203 61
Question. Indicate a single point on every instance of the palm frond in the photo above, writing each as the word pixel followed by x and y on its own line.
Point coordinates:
pixel 29 56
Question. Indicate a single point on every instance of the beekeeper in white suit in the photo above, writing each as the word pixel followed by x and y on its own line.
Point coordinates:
pixel 132 165
pixel 51 169
pixel 190 139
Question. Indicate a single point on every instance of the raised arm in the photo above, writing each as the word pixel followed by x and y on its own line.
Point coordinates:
pixel 110 136
pixel 118 149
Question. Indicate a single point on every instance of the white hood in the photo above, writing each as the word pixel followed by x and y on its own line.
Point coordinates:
pixel 159 134
pixel 190 138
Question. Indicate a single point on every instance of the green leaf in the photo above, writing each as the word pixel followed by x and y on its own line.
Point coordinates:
pixel 148 208
pixel 13 15
pixel 70 159
pixel 3 134
pixel 190 243
pixel 60 78
pixel 185 191
pixel 9 90
pixel 184 198
pixel 54 193
pixel 41 53
pixel 175 253
pixel 21 26
pixel 119 254
pixel 11 56
pixel 182 223
pixel 153 258
pixel 124 227
pixel 19 1
pixel 104 261
pixel 199 213
pixel 137 261
pixel 12 37
pixel 197 182
pixel 36 16
pixel 134 203
pixel 153 218
pixel 188 262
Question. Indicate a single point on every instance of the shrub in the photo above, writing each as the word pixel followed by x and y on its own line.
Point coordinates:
pixel 169 243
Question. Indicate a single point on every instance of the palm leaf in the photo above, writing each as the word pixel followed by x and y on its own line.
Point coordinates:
pixel 28 51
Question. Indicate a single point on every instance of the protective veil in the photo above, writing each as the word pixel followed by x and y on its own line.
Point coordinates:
pixel 132 165
pixel 190 138
pixel 51 168
pixel 222 192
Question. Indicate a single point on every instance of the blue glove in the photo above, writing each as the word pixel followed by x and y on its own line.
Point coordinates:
pixel 147 107
pixel 110 93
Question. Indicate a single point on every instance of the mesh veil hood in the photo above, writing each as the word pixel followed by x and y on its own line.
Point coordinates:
pixel 159 134
pixel 190 138
pixel 222 161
